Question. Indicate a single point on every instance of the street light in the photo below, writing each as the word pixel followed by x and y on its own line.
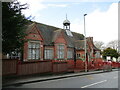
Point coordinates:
pixel 85 44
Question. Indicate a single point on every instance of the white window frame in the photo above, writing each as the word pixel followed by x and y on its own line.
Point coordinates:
pixel 69 53
pixel 33 50
pixel 97 55
pixel 48 53
pixel 60 51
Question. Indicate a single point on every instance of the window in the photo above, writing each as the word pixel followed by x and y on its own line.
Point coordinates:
pixel 60 51
pixel 78 56
pixel 33 50
pixel 97 55
pixel 69 33
pixel 70 53
pixel 48 54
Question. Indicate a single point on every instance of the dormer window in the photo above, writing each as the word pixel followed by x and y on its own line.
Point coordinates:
pixel 69 33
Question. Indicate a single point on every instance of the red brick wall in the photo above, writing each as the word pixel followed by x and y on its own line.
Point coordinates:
pixel 115 64
pixel 81 52
pixel 42 50
pixel 33 34
pixel 25 52
pixel 71 65
pixel 80 65
pixel 60 40
pixel 96 64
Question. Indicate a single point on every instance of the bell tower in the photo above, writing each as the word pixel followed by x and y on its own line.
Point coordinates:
pixel 66 27
pixel 66 24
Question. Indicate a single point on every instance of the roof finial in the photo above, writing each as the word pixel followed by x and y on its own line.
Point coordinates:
pixel 66 16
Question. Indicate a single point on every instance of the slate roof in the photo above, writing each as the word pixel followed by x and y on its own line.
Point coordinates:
pixel 49 34
pixel 79 44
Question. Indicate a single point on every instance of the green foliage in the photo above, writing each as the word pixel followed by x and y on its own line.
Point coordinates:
pixel 110 52
pixel 13 25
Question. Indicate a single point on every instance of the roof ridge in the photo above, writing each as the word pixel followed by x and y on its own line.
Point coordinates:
pixel 46 25
pixel 54 27
pixel 58 30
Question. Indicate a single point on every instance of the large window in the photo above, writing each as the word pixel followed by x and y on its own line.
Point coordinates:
pixel 70 53
pixel 60 51
pixel 97 55
pixel 48 54
pixel 34 50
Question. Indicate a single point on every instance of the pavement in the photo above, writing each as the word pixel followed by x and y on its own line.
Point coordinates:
pixel 38 78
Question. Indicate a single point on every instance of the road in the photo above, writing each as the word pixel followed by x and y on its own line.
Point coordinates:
pixel 101 80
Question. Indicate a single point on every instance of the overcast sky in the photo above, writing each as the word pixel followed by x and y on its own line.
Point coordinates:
pixel 101 19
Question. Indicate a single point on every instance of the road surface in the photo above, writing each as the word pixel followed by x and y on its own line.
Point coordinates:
pixel 101 80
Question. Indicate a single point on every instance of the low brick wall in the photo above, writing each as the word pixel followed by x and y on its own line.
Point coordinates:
pixel 80 65
pixel 26 68
pixel 115 64
pixel 71 65
pixel 16 67
pixel 91 66
pixel 99 63
pixel 9 66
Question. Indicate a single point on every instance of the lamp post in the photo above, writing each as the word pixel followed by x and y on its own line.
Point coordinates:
pixel 85 44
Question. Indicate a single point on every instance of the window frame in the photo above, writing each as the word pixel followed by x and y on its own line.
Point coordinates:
pixel 97 54
pixel 70 52
pixel 59 51
pixel 34 49
pixel 78 55
pixel 47 57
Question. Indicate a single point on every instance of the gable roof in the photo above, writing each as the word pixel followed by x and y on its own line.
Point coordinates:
pixel 49 34
pixel 79 44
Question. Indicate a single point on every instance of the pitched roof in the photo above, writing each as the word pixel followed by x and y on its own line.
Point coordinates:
pixel 79 44
pixel 49 34
pixel 56 34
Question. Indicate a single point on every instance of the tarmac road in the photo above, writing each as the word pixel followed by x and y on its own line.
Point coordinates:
pixel 101 80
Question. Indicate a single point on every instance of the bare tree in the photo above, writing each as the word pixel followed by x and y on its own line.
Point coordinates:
pixel 99 44
pixel 113 44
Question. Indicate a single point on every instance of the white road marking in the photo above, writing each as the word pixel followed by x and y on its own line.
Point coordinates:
pixel 94 84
